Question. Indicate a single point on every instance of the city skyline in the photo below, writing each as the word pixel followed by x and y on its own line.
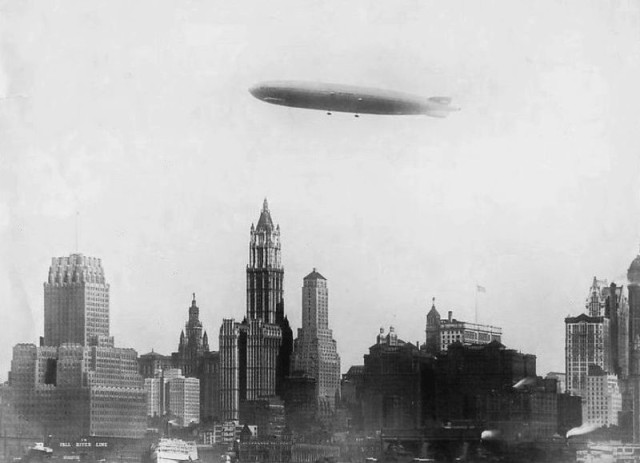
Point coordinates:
pixel 581 308
pixel 147 129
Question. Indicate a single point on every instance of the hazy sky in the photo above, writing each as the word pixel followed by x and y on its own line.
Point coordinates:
pixel 137 115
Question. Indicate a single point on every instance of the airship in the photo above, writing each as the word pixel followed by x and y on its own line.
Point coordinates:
pixel 350 99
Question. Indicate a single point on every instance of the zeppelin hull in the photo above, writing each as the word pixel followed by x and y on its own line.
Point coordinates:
pixel 357 100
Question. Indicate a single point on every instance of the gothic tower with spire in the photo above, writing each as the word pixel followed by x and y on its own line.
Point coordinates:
pixel 255 354
pixel 265 273
pixel 196 361
pixel 193 344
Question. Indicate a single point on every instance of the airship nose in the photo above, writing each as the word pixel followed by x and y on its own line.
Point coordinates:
pixel 257 90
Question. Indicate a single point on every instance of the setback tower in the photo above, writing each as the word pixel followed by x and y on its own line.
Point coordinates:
pixel 315 351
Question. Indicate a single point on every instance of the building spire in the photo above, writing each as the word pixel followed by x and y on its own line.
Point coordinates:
pixel 265 221
pixel 193 302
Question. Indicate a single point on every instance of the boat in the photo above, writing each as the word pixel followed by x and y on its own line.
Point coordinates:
pixel 40 447
pixel 38 452
pixel 173 451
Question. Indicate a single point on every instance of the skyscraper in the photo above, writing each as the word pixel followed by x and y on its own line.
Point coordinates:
pixel 255 354
pixel 597 341
pixel 587 340
pixel 229 371
pixel 269 340
pixel 315 352
pixel 265 273
pixel 633 275
pixel 78 384
pixel 76 302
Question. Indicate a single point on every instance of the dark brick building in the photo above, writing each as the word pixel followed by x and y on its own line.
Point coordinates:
pixel 392 384
pixel 404 389
pixel 465 375
pixel 149 364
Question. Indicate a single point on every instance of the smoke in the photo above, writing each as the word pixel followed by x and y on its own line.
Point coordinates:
pixel 583 429
pixel 490 434
pixel 524 382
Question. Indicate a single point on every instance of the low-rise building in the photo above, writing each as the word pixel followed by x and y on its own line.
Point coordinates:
pixel 267 414
pixel 229 432
pixel 441 333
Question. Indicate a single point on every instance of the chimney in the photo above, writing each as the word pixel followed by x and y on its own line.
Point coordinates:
pixel 450 315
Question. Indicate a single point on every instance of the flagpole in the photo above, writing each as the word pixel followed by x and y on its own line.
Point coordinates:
pixel 476 303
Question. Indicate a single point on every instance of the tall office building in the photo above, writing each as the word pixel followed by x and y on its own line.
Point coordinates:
pixel 269 339
pixel 587 340
pixel 77 383
pixel 315 352
pixel 255 354
pixel 169 392
pixel 183 402
pixel 617 309
pixel 229 395
pixel 265 273
pixel 633 275
pixel 598 341
pixel 155 394
pixel 76 302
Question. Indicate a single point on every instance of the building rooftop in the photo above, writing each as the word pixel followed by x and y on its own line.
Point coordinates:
pixel 471 326
pixel 153 354
pixel 583 317
pixel 314 275
pixel 633 274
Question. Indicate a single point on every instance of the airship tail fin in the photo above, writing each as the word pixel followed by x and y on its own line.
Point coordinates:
pixel 445 100
pixel 439 106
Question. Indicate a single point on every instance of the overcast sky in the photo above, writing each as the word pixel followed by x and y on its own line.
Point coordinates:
pixel 137 115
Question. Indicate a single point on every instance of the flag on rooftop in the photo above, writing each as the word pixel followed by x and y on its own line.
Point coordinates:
pixel 481 289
